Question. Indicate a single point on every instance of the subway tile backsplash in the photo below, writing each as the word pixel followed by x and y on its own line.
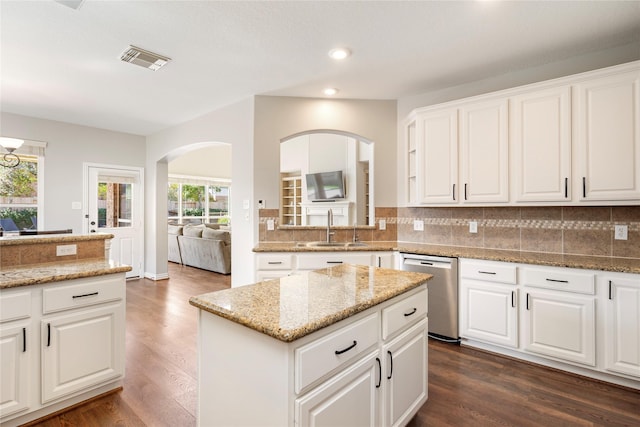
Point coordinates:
pixel 575 230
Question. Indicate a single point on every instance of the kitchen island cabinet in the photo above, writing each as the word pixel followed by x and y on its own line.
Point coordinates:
pixel 345 345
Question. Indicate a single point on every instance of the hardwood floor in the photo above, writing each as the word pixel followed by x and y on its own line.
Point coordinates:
pixel 466 387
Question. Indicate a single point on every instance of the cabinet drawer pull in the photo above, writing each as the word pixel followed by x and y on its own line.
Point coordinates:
pixel 24 340
pixel 411 313
pixel 274 262
pixel 85 295
pixel 334 262
pixel 379 372
pixel 348 348
pixel 557 280
pixel 390 365
pixel 48 334
pixel 486 272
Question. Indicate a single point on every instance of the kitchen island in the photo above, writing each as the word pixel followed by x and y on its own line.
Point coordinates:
pixel 346 345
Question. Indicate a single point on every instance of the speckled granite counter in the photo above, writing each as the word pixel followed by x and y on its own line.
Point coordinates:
pixel 294 306
pixel 623 265
pixel 56 272
pixel 13 239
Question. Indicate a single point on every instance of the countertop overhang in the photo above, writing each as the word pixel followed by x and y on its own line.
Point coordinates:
pixel 604 263
pixel 294 306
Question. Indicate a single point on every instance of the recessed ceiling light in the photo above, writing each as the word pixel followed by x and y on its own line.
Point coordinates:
pixel 339 53
pixel 330 91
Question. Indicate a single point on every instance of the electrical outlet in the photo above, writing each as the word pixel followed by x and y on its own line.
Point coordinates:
pixel 65 250
pixel 473 226
pixel 418 225
pixel 270 225
pixel 382 224
pixel 621 232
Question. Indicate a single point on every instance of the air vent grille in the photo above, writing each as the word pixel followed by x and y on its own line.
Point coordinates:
pixel 144 58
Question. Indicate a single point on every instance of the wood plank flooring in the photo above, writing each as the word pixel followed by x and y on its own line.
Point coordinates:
pixel 466 387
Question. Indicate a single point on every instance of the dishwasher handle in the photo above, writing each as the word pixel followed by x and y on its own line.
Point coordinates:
pixel 428 263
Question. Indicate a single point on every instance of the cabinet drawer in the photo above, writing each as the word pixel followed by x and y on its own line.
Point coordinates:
pixel 83 293
pixel 488 271
pixel 325 354
pixel 404 313
pixel 275 262
pixel 16 305
pixel 316 261
pixel 559 279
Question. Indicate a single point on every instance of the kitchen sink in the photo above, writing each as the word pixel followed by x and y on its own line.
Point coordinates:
pixel 332 244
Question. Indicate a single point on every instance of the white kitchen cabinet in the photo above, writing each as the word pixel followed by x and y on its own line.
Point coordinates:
pixel 622 324
pixel 437 154
pixel 411 162
pixel 16 348
pixel 540 140
pixel 607 135
pixel 81 350
pixel 339 375
pixel 404 375
pixel 484 151
pixel 488 302
pixel 66 346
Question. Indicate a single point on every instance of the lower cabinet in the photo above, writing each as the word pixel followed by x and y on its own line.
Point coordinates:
pixel 366 370
pixel 60 343
pixel 622 332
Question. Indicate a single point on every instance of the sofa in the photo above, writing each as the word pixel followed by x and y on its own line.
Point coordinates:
pixel 203 246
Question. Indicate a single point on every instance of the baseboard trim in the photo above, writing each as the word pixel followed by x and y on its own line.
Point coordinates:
pixel 156 277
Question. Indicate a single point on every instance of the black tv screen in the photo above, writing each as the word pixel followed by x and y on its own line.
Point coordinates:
pixel 325 186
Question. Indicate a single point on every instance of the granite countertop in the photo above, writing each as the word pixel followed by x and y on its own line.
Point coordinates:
pixel 14 239
pixel 617 264
pixel 59 271
pixel 294 306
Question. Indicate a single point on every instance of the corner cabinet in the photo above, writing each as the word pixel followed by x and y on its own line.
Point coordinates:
pixel 366 370
pixel 62 343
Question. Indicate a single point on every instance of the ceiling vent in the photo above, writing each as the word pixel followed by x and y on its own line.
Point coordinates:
pixel 144 58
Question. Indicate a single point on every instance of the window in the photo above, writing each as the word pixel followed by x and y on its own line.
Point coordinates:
pixel 198 200
pixel 19 188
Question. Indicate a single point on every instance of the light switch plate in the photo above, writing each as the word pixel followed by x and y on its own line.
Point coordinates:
pixel 418 225
pixel 473 226
pixel 621 232
pixel 64 250
pixel 76 205
pixel 262 204
pixel 382 224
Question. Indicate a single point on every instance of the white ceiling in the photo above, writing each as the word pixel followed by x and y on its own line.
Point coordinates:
pixel 62 64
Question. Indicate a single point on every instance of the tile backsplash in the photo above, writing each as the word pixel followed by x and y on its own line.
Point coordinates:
pixel 576 230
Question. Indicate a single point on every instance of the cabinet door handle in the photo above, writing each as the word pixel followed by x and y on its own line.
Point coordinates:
pixel 85 295
pixel 334 262
pixel 274 262
pixel 486 272
pixel 454 192
pixel 566 188
pixel 584 186
pixel 379 261
pixel 411 313
pixel 24 340
pixel 557 280
pixel 513 299
pixel 48 334
pixel 390 365
pixel 465 191
pixel 379 372
pixel 527 301
pixel 348 348
pixel 610 294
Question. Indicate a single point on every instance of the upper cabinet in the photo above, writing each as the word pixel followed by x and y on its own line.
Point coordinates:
pixel 541 145
pixel 570 141
pixel 607 133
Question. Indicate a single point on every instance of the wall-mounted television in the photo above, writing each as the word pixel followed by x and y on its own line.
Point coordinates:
pixel 325 186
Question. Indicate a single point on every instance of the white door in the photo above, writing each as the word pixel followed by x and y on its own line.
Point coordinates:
pixel 114 203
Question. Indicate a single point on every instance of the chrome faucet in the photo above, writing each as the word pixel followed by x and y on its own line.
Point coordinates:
pixel 329 223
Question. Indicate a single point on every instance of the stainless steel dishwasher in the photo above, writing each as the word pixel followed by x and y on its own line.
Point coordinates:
pixel 443 293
